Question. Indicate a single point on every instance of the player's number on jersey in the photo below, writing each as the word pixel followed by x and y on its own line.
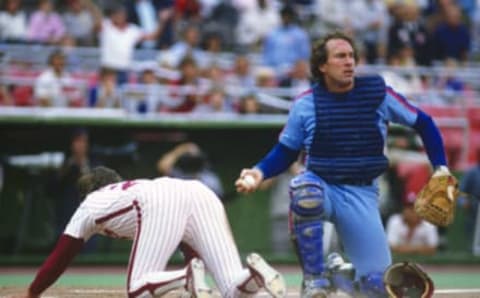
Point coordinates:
pixel 123 185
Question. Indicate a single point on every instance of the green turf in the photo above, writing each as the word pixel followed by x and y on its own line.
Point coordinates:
pixel 442 280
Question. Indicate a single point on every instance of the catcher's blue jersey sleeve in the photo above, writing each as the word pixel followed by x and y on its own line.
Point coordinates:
pixel 298 131
pixel 397 109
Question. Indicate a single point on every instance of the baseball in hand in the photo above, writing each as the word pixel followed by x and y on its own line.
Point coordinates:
pixel 248 180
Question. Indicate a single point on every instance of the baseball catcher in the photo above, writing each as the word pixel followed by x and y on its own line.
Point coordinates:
pixel 407 279
pixel 436 201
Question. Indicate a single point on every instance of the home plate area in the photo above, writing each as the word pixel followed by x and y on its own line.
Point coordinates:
pixel 86 292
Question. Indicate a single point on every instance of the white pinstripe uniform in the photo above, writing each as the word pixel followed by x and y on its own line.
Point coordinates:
pixel 159 214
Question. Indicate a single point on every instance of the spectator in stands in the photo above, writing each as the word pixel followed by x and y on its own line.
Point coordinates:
pixel 450 85
pixel 222 21
pixel 469 183
pixel 331 16
pixel 106 93
pixel 79 22
pixel 286 44
pixel 405 82
pixel 256 23
pixel 451 37
pixel 249 104
pixel 190 86
pixel 13 22
pixel 144 13
pixel 78 161
pixel 188 11
pixel 188 45
pixel 6 98
pixel 45 25
pixel 74 60
pixel 53 85
pixel 118 39
pixel 407 233
pixel 370 27
pixel 241 76
pixel 215 101
pixel 408 30
pixel 298 79
pixel 215 76
pixel 212 45
pixel 265 77
pixel 149 99
pixel 188 161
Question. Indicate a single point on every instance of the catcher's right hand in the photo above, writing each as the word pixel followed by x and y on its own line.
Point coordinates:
pixel 436 201
pixel 407 279
pixel 249 180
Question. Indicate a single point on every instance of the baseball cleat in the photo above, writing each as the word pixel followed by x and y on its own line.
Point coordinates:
pixel 266 276
pixel 314 293
pixel 196 284
pixel 315 288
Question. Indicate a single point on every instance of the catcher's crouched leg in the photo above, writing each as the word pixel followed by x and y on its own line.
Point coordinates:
pixel 307 211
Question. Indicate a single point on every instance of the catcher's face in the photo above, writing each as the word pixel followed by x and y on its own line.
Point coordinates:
pixel 339 69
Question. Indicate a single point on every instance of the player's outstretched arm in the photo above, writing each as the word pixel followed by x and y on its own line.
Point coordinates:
pixel 66 249
pixel 249 180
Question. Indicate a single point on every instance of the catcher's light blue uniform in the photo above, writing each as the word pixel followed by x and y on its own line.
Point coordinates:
pixel 344 138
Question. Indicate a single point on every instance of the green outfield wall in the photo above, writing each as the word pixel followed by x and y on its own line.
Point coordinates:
pixel 133 147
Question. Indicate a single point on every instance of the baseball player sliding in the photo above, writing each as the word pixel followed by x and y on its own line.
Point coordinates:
pixel 159 214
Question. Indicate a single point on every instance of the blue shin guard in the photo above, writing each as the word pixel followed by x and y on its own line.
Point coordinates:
pixel 308 243
pixel 307 227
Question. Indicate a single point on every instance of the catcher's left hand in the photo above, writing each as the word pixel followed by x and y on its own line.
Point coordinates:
pixel 436 201
pixel 407 279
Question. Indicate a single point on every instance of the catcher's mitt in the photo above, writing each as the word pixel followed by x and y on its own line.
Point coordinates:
pixel 436 201
pixel 407 279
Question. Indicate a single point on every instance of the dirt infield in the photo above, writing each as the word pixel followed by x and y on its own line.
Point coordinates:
pixel 115 292
pixel 83 292
pixel 95 282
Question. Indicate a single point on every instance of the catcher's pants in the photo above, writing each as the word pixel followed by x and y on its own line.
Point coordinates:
pixel 354 210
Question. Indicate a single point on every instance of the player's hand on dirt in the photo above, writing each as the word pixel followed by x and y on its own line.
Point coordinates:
pixel 249 180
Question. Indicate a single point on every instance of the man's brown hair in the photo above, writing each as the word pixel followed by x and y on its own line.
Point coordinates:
pixel 320 53
pixel 96 179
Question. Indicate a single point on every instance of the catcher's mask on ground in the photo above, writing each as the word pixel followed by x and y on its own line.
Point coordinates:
pixel 96 179
pixel 407 279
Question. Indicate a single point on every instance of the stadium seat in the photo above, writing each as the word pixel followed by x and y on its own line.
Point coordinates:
pixel 23 96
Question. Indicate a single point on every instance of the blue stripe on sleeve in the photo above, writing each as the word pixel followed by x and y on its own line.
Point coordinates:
pixel 431 138
pixel 277 160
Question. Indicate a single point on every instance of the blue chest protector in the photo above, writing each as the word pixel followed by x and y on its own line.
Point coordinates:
pixel 347 144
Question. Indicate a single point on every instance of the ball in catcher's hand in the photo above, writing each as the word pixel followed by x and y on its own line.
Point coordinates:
pixel 249 181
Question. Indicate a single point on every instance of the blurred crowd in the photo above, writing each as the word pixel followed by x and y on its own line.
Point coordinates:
pixel 224 55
